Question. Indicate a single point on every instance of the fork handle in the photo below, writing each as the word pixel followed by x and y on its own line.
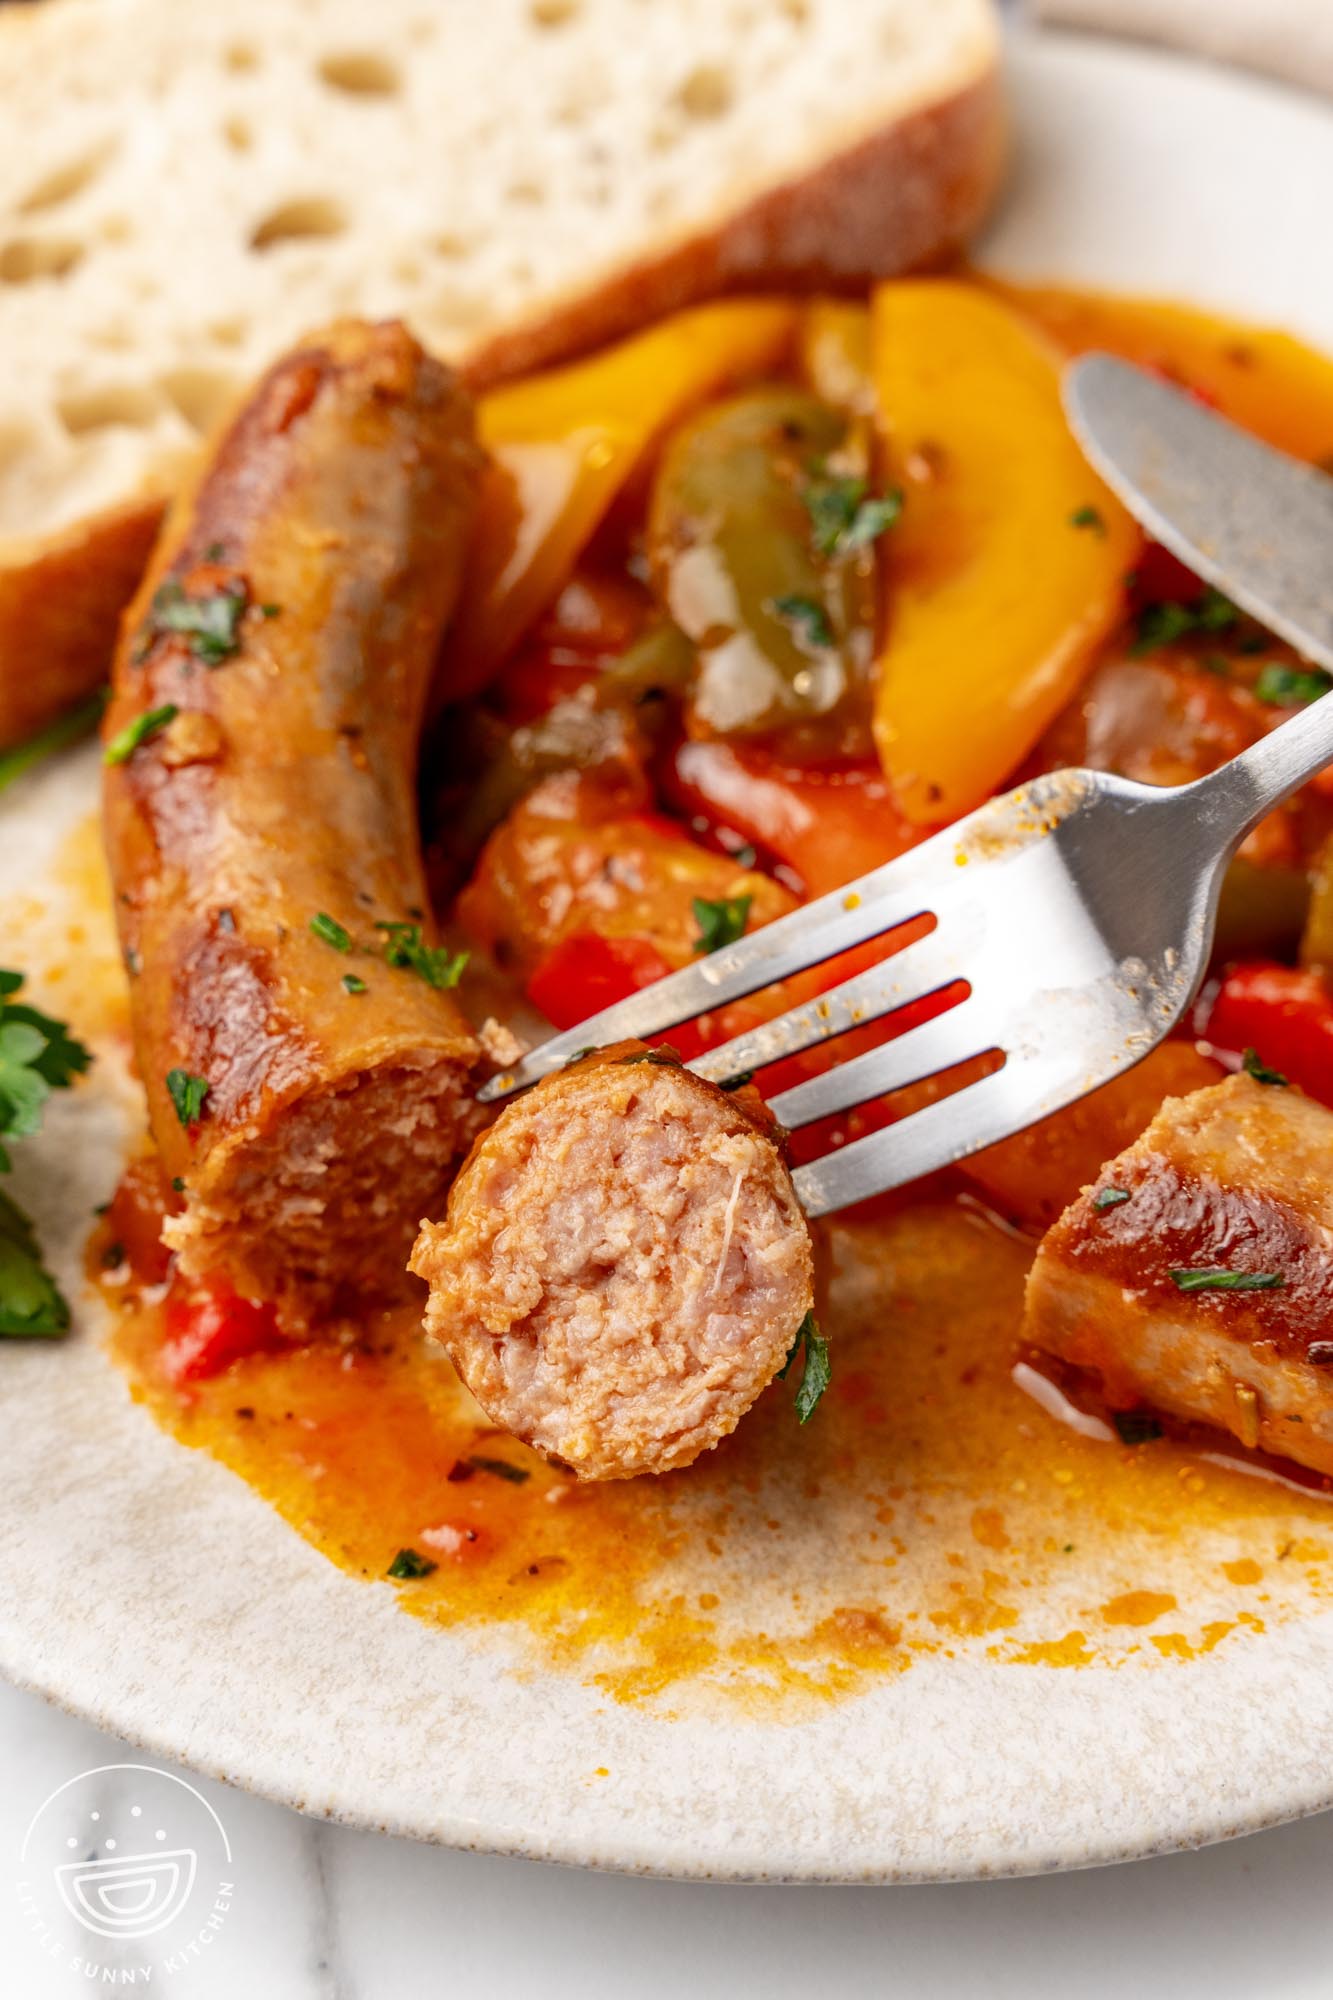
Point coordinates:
pixel 1234 798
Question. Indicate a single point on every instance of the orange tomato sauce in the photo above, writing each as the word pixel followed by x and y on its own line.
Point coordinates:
pixel 930 1508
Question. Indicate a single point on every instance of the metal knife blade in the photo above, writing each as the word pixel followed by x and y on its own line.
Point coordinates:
pixel 1253 522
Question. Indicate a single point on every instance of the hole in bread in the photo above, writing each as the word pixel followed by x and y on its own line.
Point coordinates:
pixel 226 332
pixel 200 394
pixel 361 74
pixel 707 91
pixel 97 409
pixel 237 133
pixel 65 182
pixel 450 246
pixel 24 258
pixel 241 57
pixel 312 215
pixel 553 13
pixel 407 271
pixel 526 194
pixel 117 228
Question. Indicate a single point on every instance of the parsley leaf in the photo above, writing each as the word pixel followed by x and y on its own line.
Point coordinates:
pixel 659 1058
pixel 187 1093
pixel 37 1055
pixel 1227 1281
pixel 1162 623
pixel 405 949
pixel 808 619
pixel 408 1563
pixel 127 740
pixel 1088 517
pixel 31 1304
pixel 211 624
pixel 330 931
pixel 1110 1197
pixel 68 729
pixel 815 1373
pixel 1260 1071
pixel 844 517
pixel 1291 687
pixel 722 922
pixel 353 983
pixel 500 1468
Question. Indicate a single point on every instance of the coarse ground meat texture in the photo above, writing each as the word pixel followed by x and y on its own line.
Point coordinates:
pixel 623 1266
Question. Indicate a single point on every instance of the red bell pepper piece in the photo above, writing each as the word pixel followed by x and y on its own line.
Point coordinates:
pixel 210 1326
pixel 586 972
pixel 1283 1013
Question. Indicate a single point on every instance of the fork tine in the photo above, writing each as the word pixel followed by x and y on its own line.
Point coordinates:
pixel 916 971
pixel 884 900
pixel 979 1114
pixel 921 1052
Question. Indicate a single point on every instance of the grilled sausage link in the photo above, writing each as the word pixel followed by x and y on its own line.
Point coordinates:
pixel 275 665
pixel 623 1265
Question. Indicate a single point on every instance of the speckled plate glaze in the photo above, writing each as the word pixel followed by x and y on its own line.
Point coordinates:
pixel 146 1588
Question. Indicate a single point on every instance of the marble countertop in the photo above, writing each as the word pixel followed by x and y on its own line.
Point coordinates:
pixel 321 1913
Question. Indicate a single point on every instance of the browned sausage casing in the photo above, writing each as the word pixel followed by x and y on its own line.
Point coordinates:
pixel 321 553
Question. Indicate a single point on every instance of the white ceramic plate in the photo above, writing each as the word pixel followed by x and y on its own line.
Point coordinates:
pixel 144 1587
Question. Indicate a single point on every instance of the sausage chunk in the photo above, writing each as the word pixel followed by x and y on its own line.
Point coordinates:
pixel 304 1091
pixel 623 1265
pixel 1196 1273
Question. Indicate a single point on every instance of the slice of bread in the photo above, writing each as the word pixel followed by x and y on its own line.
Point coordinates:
pixel 186 189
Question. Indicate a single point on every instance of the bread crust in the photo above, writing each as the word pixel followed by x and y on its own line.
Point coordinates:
pixel 61 596
pixel 901 197
pixel 906 196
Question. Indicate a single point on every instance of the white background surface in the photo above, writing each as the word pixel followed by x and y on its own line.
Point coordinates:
pixel 324 1914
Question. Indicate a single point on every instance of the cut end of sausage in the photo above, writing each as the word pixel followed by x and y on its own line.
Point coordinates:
pixel 315 1212
pixel 623 1266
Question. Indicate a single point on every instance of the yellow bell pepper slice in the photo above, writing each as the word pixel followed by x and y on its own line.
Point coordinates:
pixel 1006 569
pixel 1265 381
pixel 563 444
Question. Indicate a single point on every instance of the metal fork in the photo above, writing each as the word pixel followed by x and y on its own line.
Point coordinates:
pixel 1080 908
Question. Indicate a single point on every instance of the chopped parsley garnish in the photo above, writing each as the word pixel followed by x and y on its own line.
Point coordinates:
pixel 1110 1197
pixel 1227 1281
pixel 127 740
pixel 69 728
pixel 1088 517
pixel 1160 624
pixel 722 922
pixel 845 517
pixel 815 1373
pixel 187 1093
pixel 270 610
pixel 807 617
pixel 177 1185
pixel 1260 1071
pixel 404 948
pixel 739 1081
pixel 500 1468
pixel 1135 1426
pixel 329 931
pixel 408 1563
pixel 211 624
pixel 37 1055
pixel 1291 687
pixel 659 1058
pixel 353 983
pixel 578 1055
